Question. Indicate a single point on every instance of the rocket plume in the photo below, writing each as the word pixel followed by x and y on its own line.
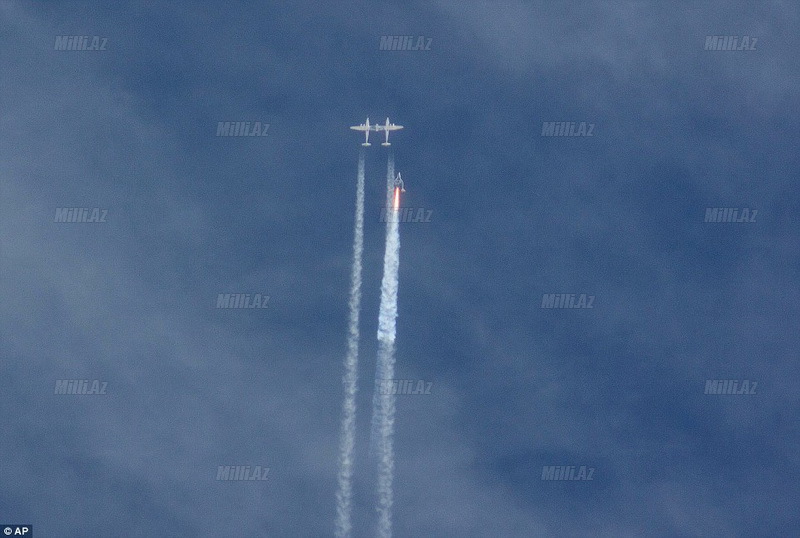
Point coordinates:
pixel 344 493
pixel 384 411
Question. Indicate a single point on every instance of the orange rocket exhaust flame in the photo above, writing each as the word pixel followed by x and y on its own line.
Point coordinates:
pixel 396 198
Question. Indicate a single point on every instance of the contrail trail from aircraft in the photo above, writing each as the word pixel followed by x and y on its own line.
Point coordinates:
pixel 385 372
pixel 344 494
pixel 375 435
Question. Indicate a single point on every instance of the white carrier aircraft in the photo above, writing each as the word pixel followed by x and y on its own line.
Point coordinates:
pixel 366 128
pixel 387 127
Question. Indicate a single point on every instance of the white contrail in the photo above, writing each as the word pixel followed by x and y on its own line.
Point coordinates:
pixel 375 429
pixel 386 336
pixel 344 494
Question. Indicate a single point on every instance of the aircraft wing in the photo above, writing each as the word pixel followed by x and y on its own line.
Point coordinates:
pixel 362 128
pixel 391 127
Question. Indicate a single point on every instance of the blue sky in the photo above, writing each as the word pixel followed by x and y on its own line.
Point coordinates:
pixel 514 215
